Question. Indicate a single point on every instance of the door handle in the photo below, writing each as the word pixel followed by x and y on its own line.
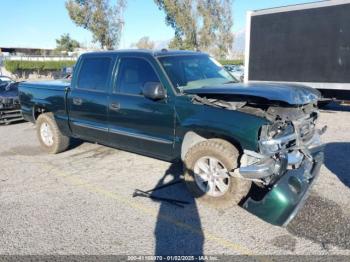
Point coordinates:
pixel 114 106
pixel 77 101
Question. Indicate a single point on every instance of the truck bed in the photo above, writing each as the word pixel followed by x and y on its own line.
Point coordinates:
pixel 48 94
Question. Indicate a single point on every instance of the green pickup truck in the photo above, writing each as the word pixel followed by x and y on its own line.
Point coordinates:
pixel 184 106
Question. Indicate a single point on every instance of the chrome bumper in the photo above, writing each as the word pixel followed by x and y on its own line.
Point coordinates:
pixel 11 115
pixel 257 166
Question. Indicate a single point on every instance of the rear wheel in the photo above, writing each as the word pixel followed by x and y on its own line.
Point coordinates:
pixel 50 137
pixel 207 166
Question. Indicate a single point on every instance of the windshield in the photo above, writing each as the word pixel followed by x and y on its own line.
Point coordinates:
pixel 195 71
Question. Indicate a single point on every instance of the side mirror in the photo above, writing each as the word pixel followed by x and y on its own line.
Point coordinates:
pixel 154 91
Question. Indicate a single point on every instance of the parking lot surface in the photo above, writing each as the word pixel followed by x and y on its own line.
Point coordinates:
pixel 81 202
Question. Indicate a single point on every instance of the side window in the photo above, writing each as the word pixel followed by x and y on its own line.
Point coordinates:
pixel 133 74
pixel 94 73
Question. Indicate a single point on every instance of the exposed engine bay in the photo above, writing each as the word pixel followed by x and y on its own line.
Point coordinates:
pixel 284 144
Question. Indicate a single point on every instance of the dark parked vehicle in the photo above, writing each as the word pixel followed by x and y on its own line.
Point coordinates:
pixel 182 105
pixel 237 71
pixel 10 110
pixel 66 72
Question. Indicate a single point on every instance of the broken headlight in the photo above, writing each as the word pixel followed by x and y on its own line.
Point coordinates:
pixel 276 137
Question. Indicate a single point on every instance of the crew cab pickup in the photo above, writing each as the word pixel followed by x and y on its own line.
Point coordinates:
pixel 180 105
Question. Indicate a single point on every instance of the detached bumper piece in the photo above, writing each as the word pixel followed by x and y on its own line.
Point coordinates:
pixel 8 116
pixel 288 195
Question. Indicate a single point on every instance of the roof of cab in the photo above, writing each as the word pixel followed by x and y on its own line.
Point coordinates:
pixel 155 53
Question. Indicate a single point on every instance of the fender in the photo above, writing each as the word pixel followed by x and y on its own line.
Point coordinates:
pixel 210 122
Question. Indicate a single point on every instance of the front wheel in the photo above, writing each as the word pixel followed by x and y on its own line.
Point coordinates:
pixel 49 135
pixel 207 166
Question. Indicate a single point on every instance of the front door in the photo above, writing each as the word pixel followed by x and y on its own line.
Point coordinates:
pixel 137 123
pixel 88 99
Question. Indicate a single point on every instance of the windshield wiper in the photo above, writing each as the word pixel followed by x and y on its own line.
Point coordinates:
pixel 231 82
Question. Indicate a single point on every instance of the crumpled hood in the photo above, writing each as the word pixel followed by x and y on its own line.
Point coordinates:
pixel 287 93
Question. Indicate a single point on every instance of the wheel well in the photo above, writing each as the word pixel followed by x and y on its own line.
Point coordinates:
pixel 193 137
pixel 38 110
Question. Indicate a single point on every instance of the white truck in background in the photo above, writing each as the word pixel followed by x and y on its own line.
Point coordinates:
pixel 305 44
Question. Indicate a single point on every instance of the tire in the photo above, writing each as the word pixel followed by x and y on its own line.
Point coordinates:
pixel 58 142
pixel 227 156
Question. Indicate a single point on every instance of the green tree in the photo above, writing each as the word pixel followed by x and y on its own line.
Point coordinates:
pixel 66 43
pixel 103 20
pixel 200 24
pixel 144 43
pixel 225 36
pixel 181 16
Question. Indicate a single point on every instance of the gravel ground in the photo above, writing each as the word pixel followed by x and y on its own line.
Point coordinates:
pixel 80 202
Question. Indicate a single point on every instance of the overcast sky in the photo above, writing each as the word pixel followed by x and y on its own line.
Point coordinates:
pixel 37 23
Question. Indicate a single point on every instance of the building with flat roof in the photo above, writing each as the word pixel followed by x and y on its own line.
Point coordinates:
pixel 26 51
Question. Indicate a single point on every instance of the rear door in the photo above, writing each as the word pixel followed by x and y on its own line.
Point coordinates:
pixel 137 123
pixel 88 98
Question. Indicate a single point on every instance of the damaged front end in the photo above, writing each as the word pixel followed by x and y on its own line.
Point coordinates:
pixel 288 159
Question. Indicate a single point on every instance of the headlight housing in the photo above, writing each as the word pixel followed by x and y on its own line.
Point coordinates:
pixel 275 137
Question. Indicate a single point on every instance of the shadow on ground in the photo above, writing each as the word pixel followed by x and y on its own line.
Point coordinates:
pixel 37 150
pixel 178 230
pixel 23 151
pixel 337 156
pixel 13 123
pixel 322 221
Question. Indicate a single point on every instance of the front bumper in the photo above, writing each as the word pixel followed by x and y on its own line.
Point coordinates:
pixel 10 115
pixel 280 205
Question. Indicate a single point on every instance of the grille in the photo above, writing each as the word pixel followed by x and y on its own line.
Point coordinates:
pixel 307 129
pixel 9 103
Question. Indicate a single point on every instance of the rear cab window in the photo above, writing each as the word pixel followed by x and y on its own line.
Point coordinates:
pixel 133 73
pixel 94 73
